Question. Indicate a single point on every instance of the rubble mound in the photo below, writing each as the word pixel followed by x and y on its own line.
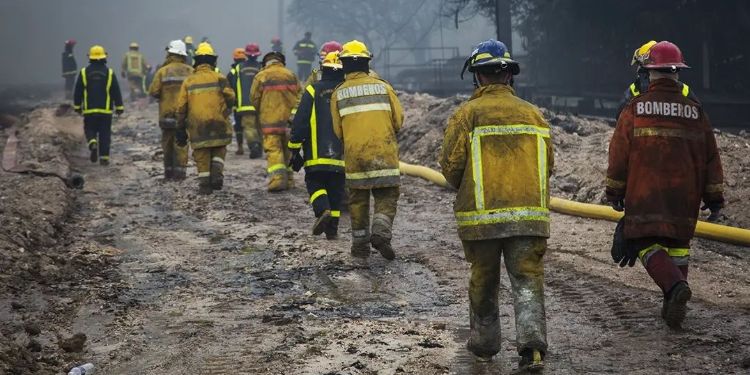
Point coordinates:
pixel 581 147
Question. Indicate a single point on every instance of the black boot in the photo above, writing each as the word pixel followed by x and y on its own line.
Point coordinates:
pixel 675 305
pixel 93 152
pixel 321 224
pixel 532 360
pixel 217 175
pixel 255 150
pixel 381 236
pixel 204 186
pixel 332 230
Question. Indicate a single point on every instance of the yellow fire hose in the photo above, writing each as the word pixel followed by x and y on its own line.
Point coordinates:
pixel 710 231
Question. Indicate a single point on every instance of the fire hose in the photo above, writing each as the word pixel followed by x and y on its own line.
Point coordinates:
pixel 717 232
pixel 9 164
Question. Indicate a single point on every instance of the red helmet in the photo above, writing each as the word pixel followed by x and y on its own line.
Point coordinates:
pixel 70 42
pixel 664 55
pixel 275 40
pixel 328 47
pixel 252 49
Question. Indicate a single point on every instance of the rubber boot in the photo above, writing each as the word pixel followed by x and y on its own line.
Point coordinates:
pixel 217 176
pixel 179 174
pixel 104 161
pixel 168 173
pixel 361 245
pixel 381 236
pixel 278 182
pixel 240 149
pixel 321 224
pixel 675 305
pixel 254 150
pixel 667 275
pixel 204 186
pixel 93 152
pixel 289 179
pixel 332 230
pixel 532 361
pixel 484 336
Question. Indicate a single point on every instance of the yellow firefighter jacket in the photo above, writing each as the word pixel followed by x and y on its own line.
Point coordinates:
pixel 166 87
pixel 134 64
pixel 203 107
pixel 274 96
pixel 497 152
pixel 366 116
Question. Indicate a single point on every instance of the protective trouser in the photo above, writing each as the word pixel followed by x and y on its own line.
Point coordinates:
pixel 303 70
pixel 249 123
pixel 277 158
pixel 665 260
pixel 136 85
pixel 70 81
pixel 175 157
pixel 524 263
pixel 98 131
pixel 326 191
pixel 386 202
pixel 210 164
pixel 238 134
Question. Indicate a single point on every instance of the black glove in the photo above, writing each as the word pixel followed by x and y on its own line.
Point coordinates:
pixel 715 210
pixel 181 137
pixel 296 162
pixel 119 112
pixel 618 206
pixel 78 111
pixel 622 250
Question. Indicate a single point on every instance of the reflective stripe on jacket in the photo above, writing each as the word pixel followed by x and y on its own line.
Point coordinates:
pixel 274 95
pixel 663 160
pixel 204 106
pixel 166 87
pixel 134 64
pixel 241 78
pixel 498 153
pixel 97 90
pixel 366 116
pixel 312 128
pixel 306 51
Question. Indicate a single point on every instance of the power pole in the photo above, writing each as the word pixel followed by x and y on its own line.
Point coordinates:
pixel 503 27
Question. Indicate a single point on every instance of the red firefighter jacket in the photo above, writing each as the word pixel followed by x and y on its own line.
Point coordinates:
pixel 663 160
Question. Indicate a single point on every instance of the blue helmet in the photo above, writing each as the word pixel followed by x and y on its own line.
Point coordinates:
pixel 491 53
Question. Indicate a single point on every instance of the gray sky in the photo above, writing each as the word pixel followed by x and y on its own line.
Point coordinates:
pixel 33 31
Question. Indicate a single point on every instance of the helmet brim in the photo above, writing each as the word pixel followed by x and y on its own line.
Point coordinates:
pixel 510 64
pixel 666 66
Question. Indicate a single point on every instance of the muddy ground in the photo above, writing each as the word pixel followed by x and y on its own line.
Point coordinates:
pixel 161 280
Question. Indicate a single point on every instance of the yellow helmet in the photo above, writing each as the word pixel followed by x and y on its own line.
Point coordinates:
pixel 355 49
pixel 97 52
pixel 642 52
pixel 205 49
pixel 134 45
pixel 332 60
pixel 188 40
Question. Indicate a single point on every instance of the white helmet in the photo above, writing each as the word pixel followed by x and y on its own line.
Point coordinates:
pixel 177 47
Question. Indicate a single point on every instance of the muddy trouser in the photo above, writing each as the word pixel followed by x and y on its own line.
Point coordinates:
pixel 277 157
pixel 665 260
pixel 210 164
pixel 303 70
pixel 326 190
pixel 70 80
pixel 175 157
pixel 386 202
pixel 135 84
pixel 524 263
pixel 98 131
pixel 249 123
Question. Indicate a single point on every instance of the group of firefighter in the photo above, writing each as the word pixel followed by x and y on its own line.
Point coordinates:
pixel 341 126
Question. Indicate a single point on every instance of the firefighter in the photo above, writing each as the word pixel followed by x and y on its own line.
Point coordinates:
pixel 641 83
pixel 190 50
pixel 305 50
pixel 203 109
pixel 663 160
pixel 134 68
pixel 238 55
pixel 497 152
pixel 276 45
pixel 246 118
pixel 69 67
pixel 366 116
pixel 166 89
pixel 325 49
pixel 97 94
pixel 312 133
pixel 274 95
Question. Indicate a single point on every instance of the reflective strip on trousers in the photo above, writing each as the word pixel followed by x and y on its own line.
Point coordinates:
pixel 204 174
pixel 335 213
pixel 277 169
pixel 502 215
pixel 679 255
pixel 318 194
pixel 373 174
pixel 476 156
pixel 217 160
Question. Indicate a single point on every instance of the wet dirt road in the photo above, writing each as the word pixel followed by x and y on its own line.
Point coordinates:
pixel 235 284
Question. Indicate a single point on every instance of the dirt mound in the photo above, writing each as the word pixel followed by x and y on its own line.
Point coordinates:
pixel 581 146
